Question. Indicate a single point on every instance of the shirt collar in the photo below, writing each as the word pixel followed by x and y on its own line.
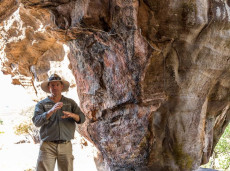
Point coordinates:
pixel 47 99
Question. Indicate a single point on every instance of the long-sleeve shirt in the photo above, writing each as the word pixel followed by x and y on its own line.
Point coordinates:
pixel 56 128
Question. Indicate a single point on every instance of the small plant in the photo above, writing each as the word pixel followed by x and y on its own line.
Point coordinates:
pixel 22 128
pixel 1 123
pixel 28 129
pixel 221 154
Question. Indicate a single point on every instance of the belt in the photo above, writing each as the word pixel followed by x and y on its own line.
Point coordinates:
pixel 59 141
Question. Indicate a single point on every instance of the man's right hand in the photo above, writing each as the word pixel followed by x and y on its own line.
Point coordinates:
pixel 56 107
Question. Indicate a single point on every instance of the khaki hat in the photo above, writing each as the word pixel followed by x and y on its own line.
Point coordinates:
pixel 52 78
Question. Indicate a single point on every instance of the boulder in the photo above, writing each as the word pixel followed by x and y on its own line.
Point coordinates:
pixel 153 77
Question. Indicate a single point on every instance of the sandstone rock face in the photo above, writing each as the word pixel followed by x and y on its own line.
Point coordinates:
pixel 153 77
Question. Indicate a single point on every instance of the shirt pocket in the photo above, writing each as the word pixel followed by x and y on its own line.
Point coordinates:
pixel 48 107
pixel 67 107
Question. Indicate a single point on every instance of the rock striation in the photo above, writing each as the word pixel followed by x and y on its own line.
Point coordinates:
pixel 153 77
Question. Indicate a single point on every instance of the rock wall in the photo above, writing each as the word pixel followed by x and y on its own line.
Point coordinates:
pixel 153 77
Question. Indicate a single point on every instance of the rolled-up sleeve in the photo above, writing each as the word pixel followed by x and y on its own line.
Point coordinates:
pixel 78 111
pixel 39 117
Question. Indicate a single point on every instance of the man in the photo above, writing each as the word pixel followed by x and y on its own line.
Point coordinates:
pixel 57 116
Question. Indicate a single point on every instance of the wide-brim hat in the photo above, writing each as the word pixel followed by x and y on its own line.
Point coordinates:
pixel 52 78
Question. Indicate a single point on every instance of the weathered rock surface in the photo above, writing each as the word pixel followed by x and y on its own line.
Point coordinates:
pixel 153 77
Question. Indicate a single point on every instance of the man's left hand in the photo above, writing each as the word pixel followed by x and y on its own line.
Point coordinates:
pixel 71 115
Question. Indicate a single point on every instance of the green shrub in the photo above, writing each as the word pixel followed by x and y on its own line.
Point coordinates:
pixel 221 155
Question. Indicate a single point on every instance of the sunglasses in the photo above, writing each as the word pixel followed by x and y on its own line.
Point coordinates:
pixel 54 78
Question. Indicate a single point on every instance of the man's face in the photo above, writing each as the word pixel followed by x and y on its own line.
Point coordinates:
pixel 55 87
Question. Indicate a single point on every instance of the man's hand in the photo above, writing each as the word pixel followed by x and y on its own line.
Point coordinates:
pixel 71 115
pixel 56 107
